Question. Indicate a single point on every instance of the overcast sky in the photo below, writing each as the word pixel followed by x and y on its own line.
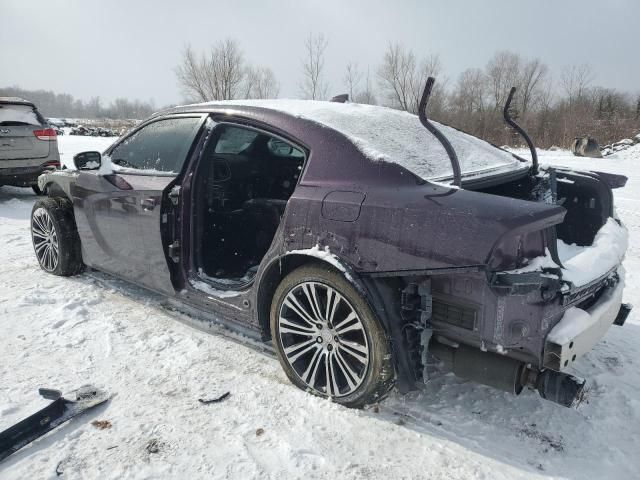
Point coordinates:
pixel 129 48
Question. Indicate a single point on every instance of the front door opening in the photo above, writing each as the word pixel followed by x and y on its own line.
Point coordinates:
pixel 243 182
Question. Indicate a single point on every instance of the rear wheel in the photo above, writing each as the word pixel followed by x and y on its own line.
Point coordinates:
pixel 328 339
pixel 55 238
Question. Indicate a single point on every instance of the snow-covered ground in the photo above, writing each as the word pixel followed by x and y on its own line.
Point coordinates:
pixel 69 145
pixel 63 333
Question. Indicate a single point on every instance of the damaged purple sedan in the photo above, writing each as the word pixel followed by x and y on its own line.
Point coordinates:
pixel 369 246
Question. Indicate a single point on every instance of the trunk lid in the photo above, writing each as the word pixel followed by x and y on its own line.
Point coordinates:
pixel 588 245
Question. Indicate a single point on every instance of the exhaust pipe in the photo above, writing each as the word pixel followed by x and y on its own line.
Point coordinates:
pixel 487 368
pixel 507 374
pixel 560 388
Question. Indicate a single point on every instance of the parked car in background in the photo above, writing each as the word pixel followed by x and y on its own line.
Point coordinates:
pixel 28 144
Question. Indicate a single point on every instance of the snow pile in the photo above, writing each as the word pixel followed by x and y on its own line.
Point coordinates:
pixel 396 136
pixel 585 264
pixel 631 153
pixel 18 113
pixel 623 144
pixel 575 320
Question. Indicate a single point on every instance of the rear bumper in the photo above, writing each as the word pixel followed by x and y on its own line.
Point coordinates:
pixel 579 330
pixel 23 176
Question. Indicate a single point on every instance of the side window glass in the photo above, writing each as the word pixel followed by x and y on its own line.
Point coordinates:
pixel 283 149
pixel 234 140
pixel 161 146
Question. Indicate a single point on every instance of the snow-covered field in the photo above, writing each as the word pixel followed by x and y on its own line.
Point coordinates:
pixel 63 333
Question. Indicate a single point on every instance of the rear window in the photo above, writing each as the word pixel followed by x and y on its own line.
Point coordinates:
pixel 17 115
pixel 395 136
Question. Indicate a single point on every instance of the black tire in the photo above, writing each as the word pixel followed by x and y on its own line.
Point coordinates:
pixel 354 382
pixel 37 191
pixel 53 230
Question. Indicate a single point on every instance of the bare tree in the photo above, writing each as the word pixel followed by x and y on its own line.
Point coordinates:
pixel 575 81
pixel 402 78
pixel 366 96
pixel 352 79
pixel 430 66
pixel 468 102
pixel 313 84
pixel 191 76
pixel 260 82
pixel 94 107
pixel 228 69
pixel 396 76
pixel 216 76
pixel 534 74
pixel 503 72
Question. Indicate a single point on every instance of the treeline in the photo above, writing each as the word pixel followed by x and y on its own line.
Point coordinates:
pixel 63 105
pixel 553 108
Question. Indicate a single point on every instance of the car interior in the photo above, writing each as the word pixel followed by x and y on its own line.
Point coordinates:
pixel 243 182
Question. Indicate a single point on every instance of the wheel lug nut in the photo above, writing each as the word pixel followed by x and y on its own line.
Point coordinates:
pixel 319 339
pixel 336 338
pixel 329 347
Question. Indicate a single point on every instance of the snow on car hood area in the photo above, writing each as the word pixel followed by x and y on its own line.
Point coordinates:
pixel 395 136
pixel 65 332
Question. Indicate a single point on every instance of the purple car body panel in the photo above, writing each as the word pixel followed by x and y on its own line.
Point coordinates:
pixel 386 227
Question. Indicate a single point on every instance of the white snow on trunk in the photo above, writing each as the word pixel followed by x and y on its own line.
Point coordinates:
pixel 584 264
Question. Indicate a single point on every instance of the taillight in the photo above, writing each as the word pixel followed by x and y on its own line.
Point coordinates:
pixel 52 163
pixel 45 134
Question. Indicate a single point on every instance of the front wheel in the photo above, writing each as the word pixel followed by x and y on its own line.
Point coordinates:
pixel 327 338
pixel 55 238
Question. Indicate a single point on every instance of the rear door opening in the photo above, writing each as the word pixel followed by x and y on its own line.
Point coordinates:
pixel 242 184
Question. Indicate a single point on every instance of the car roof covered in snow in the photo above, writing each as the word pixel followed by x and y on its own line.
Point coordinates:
pixel 16 101
pixel 386 134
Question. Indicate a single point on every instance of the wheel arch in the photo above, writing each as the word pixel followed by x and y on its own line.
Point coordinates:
pixel 55 187
pixel 52 189
pixel 279 267
pixel 383 295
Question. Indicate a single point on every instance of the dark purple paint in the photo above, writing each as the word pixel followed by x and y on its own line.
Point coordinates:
pixel 385 225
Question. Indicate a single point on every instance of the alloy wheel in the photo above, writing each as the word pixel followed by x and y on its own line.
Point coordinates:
pixel 323 339
pixel 45 239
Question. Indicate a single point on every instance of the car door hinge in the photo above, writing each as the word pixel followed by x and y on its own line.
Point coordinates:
pixel 174 194
pixel 174 251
